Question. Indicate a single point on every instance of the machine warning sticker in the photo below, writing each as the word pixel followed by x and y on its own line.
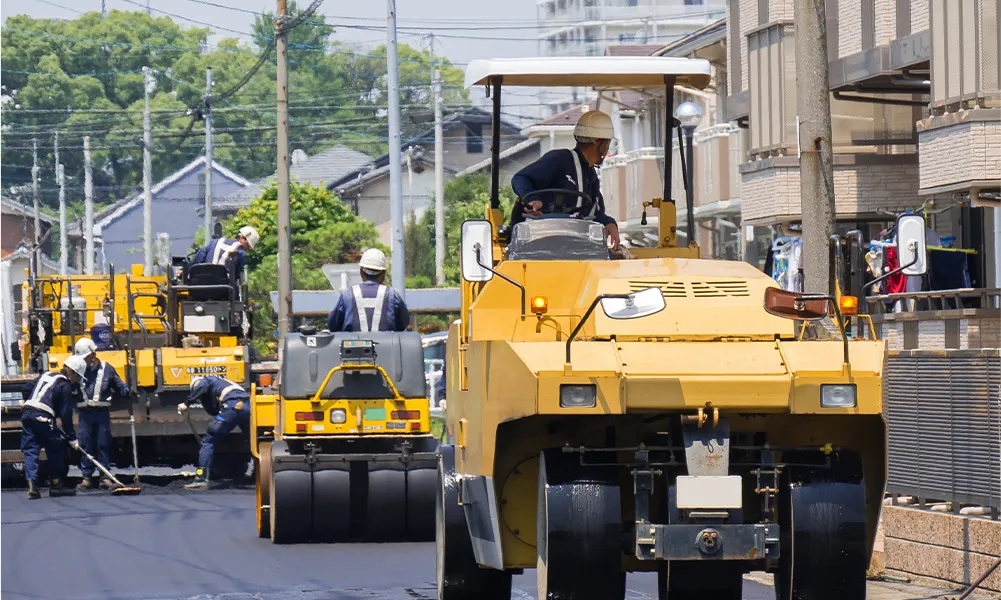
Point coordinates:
pixel 311 341
pixel 176 372
pixel 396 425
pixel 372 428
pixel 204 370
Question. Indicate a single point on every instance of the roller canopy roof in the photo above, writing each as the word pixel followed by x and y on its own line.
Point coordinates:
pixel 592 71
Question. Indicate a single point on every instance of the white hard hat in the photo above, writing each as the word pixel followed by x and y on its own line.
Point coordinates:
pixel 595 125
pixel 373 259
pixel 251 234
pixel 84 347
pixel 76 364
pixel 196 380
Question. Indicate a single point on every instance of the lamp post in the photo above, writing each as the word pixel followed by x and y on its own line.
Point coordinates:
pixel 689 115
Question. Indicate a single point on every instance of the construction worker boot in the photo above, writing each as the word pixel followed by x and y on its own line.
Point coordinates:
pixel 33 493
pixel 58 489
pixel 200 482
pixel 87 483
pixel 106 484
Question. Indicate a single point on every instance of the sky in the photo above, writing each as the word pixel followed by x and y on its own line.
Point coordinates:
pixel 463 29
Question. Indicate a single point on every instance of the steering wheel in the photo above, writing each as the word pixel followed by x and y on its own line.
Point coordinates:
pixel 560 207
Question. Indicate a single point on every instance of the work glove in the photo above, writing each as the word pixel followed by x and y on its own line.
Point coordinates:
pixel 74 444
pixel 182 408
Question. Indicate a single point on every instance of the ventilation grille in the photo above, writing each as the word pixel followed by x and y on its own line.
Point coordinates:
pixel 695 289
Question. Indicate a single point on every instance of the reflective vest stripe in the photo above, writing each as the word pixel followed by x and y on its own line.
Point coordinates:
pixel 580 186
pixel 222 251
pixel 361 304
pixel 46 381
pixel 232 387
pixel 95 400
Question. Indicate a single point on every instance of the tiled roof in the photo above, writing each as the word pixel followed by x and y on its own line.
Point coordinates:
pixel 632 49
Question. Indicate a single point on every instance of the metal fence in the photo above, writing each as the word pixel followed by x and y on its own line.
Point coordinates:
pixel 944 411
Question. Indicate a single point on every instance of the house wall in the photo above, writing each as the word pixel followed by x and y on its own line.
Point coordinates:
pixel 373 201
pixel 174 213
pixel 15 229
pixel 456 150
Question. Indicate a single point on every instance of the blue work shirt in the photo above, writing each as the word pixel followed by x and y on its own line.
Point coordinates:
pixel 231 254
pixel 111 385
pixel 394 315
pixel 56 396
pixel 212 392
pixel 556 169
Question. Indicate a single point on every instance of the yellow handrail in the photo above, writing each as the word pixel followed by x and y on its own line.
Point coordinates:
pixel 357 367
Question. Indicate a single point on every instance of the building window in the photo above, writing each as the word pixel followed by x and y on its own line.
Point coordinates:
pixel 693 2
pixel 474 138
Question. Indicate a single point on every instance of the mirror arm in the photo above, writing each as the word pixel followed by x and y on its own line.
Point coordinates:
pixel 891 273
pixel 841 325
pixel 479 261
pixel 590 309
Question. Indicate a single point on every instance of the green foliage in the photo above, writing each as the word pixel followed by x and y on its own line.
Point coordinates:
pixel 466 197
pixel 324 231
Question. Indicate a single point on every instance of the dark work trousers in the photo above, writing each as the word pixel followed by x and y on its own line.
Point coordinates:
pixel 37 432
pixel 228 418
pixel 94 435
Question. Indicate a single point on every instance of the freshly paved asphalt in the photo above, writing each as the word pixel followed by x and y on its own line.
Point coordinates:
pixel 170 544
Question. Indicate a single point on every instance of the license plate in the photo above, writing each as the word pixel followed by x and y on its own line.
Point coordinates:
pixel 375 414
pixel 708 491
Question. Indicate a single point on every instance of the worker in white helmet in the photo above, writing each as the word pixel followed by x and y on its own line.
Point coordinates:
pixel 371 305
pixel 100 386
pixel 229 252
pixel 51 398
pixel 572 170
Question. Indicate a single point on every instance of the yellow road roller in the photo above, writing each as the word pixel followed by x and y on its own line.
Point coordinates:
pixel 342 440
pixel 658 412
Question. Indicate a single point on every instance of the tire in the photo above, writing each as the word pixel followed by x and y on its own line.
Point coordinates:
pixel 822 517
pixel 420 504
pixel 331 506
pixel 698 580
pixel 291 494
pixel 458 575
pixel 262 489
pixel 579 531
pixel 386 519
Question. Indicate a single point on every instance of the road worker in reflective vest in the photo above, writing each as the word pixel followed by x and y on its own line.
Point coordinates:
pixel 370 306
pixel 229 252
pixel 101 384
pixel 51 398
pixel 229 404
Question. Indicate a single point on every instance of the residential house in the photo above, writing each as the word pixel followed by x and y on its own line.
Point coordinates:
pixel 322 168
pixel 118 228
pixel 18 227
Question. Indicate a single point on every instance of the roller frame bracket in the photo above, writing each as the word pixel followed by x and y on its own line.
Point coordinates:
pixel 752 541
pixel 707 449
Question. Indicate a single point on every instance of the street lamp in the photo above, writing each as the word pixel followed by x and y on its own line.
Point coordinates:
pixel 689 115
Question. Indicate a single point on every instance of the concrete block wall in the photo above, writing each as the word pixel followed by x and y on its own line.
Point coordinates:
pixel 951 548
pixel 960 151
pixel 771 195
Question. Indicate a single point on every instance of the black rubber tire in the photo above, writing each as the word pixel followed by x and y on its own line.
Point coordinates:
pixel 420 504
pixel 262 490
pixel 386 520
pixel 698 580
pixel 331 506
pixel 291 512
pixel 458 575
pixel 579 531
pixel 822 516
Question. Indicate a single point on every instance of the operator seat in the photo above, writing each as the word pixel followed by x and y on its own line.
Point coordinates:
pixel 208 274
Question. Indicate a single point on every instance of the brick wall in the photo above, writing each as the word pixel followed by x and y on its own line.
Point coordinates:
pixel 748 21
pixel 920 15
pixel 773 194
pixel 886 22
pixel 849 27
pixel 959 152
pixel 780 10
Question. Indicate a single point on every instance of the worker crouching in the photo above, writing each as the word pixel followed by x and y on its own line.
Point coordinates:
pixel 52 397
pixel 229 404
pixel 101 385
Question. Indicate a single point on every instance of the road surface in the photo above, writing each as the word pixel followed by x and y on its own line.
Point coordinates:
pixel 171 544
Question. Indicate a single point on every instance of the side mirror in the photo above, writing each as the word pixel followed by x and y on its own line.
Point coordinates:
pixel 912 246
pixel 791 305
pixel 634 306
pixel 476 248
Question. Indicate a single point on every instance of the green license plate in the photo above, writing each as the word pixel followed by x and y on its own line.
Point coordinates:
pixel 375 414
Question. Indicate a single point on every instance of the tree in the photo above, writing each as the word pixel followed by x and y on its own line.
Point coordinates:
pixel 466 197
pixel 324 230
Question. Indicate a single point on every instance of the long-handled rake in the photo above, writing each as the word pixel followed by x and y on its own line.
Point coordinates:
pixel 122 489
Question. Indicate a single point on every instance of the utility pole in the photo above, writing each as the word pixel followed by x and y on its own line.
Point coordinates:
pixel 284 202
pixel 35 191
pixel 439 186
pixel 208 154
pixel 88 218
pixel 395 176
pixel 147 175
pixel 104 9
pixel 816 165
pixel 63 243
